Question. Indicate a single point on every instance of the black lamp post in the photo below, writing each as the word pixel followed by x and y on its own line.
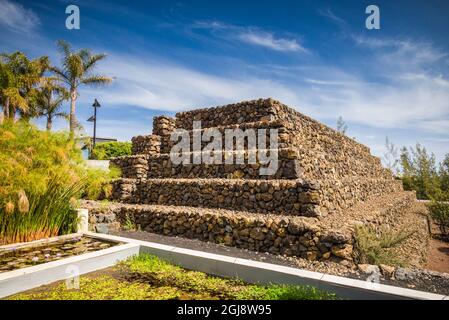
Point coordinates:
pixel 94 120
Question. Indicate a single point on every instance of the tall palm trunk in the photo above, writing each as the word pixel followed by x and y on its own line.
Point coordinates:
pixel 73 121
pixel 49 122
pixel 13 113
pixel 6 108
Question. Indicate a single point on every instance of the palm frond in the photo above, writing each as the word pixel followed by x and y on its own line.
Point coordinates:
pixel 84 54
pixel 74 67
pixel 96 80
pixel 64 115
pixel 90 63
pixel 16 99
pixel 60 74
pixel 64 47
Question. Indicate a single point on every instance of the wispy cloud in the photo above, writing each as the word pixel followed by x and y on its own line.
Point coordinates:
pixel 15 17
pixel 385 85
pixel 417 99
pixel 406 53
pixel 268 40
pixel 159 85
pixel 405 86
pixel 328 13
pixel 252 36
pixel 326 82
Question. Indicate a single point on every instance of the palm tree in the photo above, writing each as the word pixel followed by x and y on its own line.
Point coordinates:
pixel 18 79
pixel 77 68
pixel 9 86
pixel 49 99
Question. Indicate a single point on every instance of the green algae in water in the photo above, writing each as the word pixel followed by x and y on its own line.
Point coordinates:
pixel 147 277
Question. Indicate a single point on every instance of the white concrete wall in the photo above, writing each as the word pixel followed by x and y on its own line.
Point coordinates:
pixel 98 164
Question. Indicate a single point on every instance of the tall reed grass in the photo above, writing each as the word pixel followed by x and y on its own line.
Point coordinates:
pixel 41 175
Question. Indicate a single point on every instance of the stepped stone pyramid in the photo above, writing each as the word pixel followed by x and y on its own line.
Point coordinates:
pixel 306 208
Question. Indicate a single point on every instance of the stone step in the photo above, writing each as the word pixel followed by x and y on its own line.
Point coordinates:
pixel 149 144
pixel 246 111
pixel 291 197
pixel 287 235
pixel 338 195
pixel 324 152
pixel 308 237
pixel 285 197
pixel 320 165
pixel 292 164
pixel 246 129
pixel 283 164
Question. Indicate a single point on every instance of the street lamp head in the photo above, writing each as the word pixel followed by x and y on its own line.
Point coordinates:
pixel 96 104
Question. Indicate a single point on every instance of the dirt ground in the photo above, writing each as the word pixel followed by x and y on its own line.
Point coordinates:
pixel 438 256
pixel 438 253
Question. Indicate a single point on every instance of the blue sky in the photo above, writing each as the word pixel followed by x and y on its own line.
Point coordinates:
pixel 316 56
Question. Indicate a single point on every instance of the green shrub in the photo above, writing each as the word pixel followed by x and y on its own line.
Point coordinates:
pixel 439 211
pixel 377 248
pixel 130 223
pixel 97 182
pixel 108 150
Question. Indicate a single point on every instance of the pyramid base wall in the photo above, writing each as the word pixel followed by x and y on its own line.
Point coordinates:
pixel 304 237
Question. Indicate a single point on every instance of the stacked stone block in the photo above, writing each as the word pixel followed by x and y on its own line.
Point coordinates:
pixel 308 150
pixel 321 172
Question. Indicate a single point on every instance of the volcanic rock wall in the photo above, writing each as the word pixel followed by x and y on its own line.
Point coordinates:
pixel 303 208
pixel 308 150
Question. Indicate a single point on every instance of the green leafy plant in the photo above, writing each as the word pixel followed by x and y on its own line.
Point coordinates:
pixel 378 247
pixel 108 150
pixel 419 172
pixel 439 211
pixel 129 224
pixel 97 182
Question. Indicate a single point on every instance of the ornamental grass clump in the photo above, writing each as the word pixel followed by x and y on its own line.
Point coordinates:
pixel 41 173
pixel 377 247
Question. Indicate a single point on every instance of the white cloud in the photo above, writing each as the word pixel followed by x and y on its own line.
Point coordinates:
pixel 158 85
pixel 436 126
pixel 399 100
pixel 17 18
pixel 407 55
pixel 328 13
pixel 325 82
pixel 268 40
pixel 252 36
pixel 403 85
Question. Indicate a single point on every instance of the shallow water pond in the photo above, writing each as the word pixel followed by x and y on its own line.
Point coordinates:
pixel 14 258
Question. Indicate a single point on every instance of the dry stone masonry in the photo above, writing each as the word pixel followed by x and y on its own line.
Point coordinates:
pixel 321 175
